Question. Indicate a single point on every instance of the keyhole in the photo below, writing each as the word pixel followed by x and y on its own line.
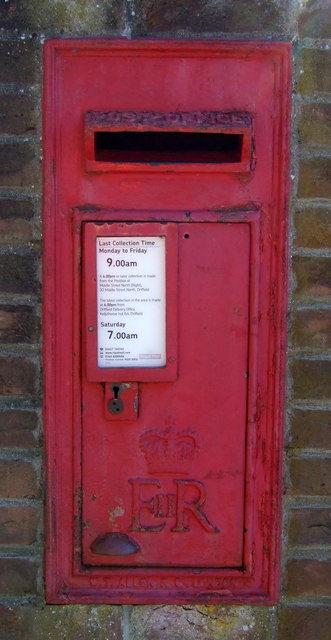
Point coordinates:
pixel 116 405
pixel 116 391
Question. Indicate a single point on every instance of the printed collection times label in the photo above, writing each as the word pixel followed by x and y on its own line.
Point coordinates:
pixel 131 301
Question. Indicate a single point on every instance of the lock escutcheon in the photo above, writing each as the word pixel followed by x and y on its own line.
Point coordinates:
pixel 121 401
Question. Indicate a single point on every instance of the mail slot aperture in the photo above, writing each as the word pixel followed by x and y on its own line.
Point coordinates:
pixel 169 147
pixel 179 139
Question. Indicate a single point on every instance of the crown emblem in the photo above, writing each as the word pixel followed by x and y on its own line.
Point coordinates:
pixel 169 451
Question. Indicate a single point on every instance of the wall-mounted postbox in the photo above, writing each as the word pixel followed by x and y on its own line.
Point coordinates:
pixel 164 220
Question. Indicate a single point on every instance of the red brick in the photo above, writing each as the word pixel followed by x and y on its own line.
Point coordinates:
pixel 17 576
pixel 305 623
pixel 18 274
pixel 311 428
pixel 312 328
pixel 17 376
pixel 308 578
pixel 310 527
pixel 18 479
pixel 315 65
pixel 315 19
pixel 18 324
pixel 313 228
pixel 310 476
pixel 17 62
pixel 17 115
pixel 18 428
pixel 312 379
pixel 18 525
pixel 315 177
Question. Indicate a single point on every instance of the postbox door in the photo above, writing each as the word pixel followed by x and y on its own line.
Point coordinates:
pixel 167 487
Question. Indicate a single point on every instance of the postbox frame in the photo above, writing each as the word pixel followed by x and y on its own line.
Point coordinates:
pixel 69 581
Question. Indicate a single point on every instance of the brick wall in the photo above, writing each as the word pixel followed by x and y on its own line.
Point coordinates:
pixel 304 610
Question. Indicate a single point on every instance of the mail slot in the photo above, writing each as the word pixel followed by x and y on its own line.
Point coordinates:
pixel 164 270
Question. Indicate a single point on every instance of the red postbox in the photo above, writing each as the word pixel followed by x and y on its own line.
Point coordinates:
pixel 164 218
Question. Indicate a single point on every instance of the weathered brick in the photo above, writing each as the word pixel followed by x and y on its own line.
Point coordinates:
pixel 201 622
pixel 17 61
pixel 304 623
pixel 315 19
pixel 18 324
pixel 16 231
pixel 310 476
pixel 17 376
pixel 314 71
pixel 18 479
pixel 60 623
pixel 12 623
pixel 310 527
pixel 116 15
pixel 315 124
pixel 13 13
pixel 312 379
pixel 308 577
pixel 313 276
pixel 311 428
pixel 18 165
pixel 18 525
pixel 10 208
pixel 17 114
pixel 74 17
pixel 18 274
pixel 315 177
pixel 18 428
pixel 17 576
pixel 209 16
pixel 311 328
pixel 313 228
